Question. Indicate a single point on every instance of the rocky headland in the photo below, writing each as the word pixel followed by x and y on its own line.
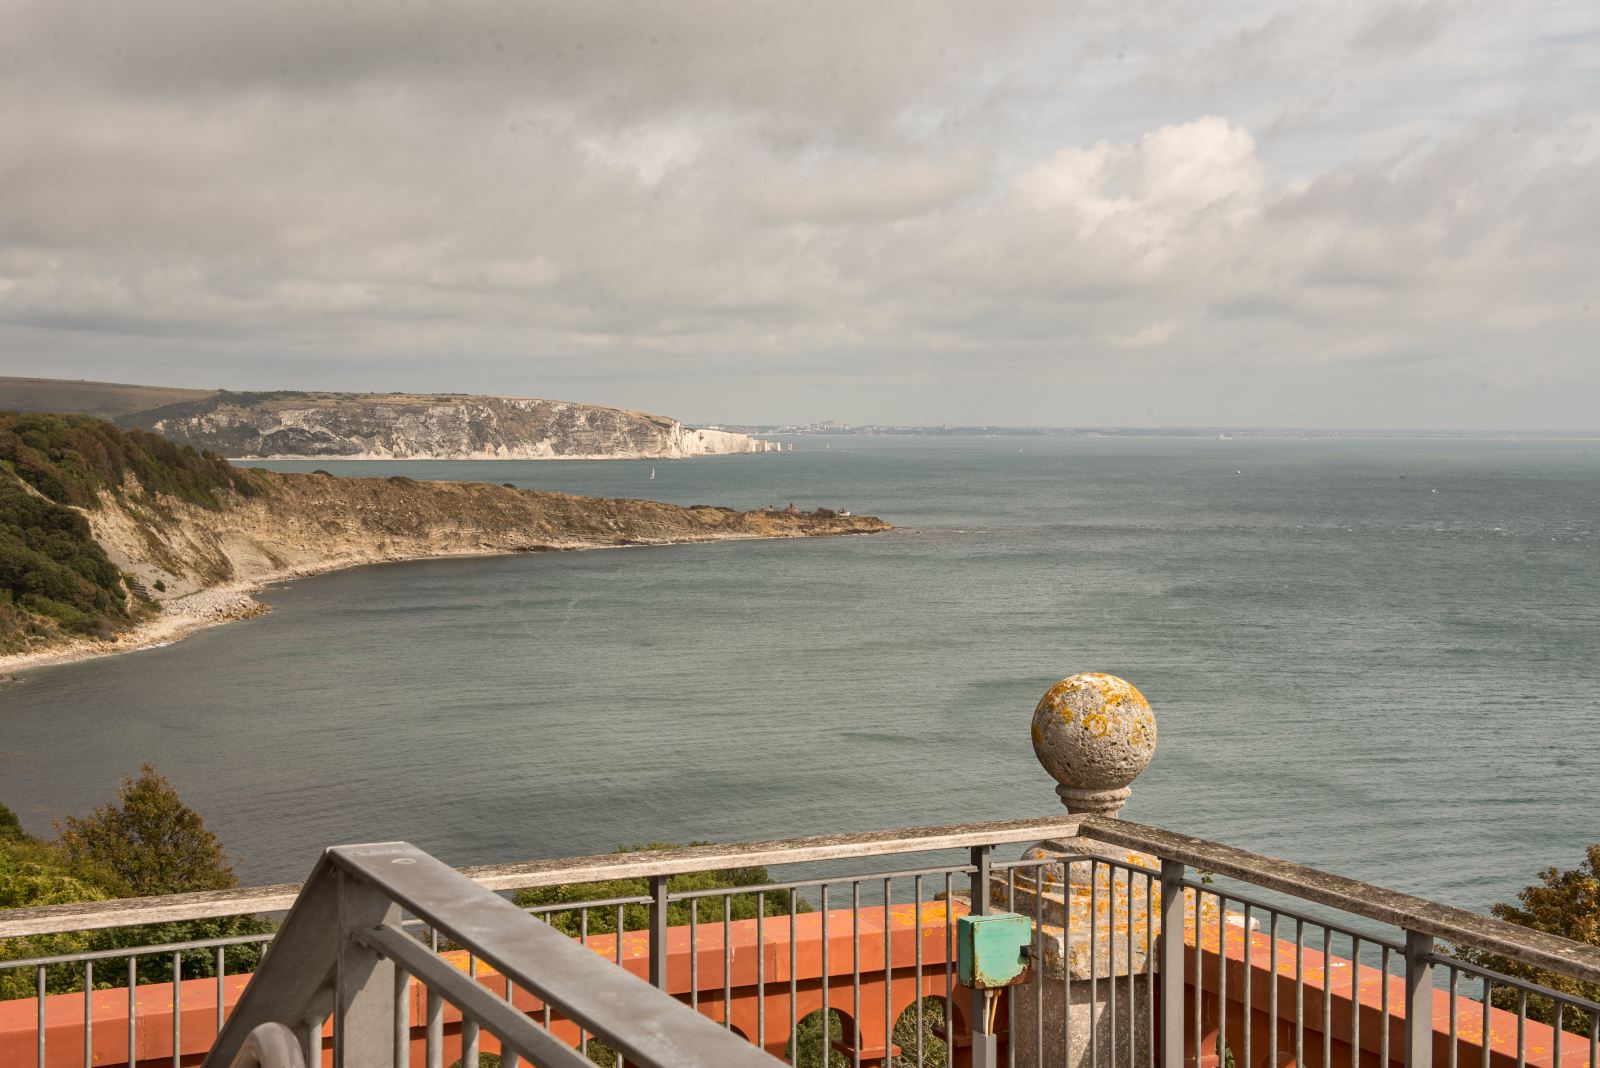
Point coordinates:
pixel 132 541
pixel 380 426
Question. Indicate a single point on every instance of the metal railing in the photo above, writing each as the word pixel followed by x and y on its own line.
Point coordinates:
pixel 1405 967
pixel 344 952
pixel 1152 949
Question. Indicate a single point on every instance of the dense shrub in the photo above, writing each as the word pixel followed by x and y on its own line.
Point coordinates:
pixel 54 576
pixel 147 841
pixel 71 458
pixel 52 571
pixel 1565 903
pixel 10 827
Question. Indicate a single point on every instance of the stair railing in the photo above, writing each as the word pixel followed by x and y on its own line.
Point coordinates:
pixel 343 952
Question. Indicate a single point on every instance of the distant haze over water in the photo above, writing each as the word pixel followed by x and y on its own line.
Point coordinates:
pixel 1378 657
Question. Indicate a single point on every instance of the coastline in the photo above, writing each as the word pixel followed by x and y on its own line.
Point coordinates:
pixel 179 618
pixel 227 603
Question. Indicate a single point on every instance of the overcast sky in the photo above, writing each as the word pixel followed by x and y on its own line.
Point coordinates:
pixel 1067 213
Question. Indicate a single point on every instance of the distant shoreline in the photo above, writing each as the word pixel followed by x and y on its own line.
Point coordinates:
pixel 873 430
pixel 484 458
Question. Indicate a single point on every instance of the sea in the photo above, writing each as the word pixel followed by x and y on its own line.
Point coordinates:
pixel 1377 656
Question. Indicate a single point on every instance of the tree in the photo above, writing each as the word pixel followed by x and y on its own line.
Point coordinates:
pixel 11 827
pixel 1565 903
pixel 147 842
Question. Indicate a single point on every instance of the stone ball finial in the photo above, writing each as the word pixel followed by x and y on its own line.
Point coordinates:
pixel 1094 733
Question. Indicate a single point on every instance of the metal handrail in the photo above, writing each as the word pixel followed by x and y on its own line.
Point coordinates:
pixel 356 900
pixel 1414 914
pixel 1458 926
pixel 132 912
pixel 342 952
pixel 120 952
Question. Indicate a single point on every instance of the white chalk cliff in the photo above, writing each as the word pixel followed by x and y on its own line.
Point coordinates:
pixel 442 427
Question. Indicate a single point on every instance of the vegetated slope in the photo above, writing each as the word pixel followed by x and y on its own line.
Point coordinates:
pixel 56 580
pixel 105 528
pixel 430 426
pixel 104 400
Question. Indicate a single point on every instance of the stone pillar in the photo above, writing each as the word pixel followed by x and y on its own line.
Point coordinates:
pixel 1093 973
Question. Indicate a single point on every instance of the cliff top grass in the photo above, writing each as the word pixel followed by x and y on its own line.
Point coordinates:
pixel 280 400
pixel 106 400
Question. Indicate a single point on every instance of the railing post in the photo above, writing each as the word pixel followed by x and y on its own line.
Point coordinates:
pixel 985 1048
pixel 658 931
pixel 363 1027
pixel 1419 1000
pixel 1170 949
pixel 310 1036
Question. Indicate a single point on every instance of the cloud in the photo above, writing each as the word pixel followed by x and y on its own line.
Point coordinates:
pixel 1170 178
pixel 844 191
pixel 914 212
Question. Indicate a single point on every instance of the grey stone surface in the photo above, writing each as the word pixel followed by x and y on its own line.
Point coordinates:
pixel 1094 733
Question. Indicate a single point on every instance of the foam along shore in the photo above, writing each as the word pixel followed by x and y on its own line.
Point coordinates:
pixel 209 562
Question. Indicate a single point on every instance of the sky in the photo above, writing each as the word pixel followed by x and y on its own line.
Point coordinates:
pixel 1230 213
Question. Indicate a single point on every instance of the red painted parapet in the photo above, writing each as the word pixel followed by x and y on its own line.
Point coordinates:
pixel 771 963
pixel 1354 1018
pixel 753 997
pixel 65 1030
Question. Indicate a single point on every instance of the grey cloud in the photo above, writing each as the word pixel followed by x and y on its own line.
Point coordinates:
pixel 844 191
pixel 1402 27
pixel 828 58
pixel 903 211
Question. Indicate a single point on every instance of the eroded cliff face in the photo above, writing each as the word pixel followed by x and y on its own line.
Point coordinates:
pixel 441 427
pixel 307 523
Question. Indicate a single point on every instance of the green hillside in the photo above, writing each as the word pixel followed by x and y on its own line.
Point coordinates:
pixel 54 577
pixel 104 400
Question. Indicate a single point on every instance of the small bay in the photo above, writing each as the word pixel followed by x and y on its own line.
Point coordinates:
pixel 1381 657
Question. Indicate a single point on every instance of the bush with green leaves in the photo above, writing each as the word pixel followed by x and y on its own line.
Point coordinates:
pixel 1565 903
pixel 52 571
pixel 72 459
pixel 145 842
pixel 54 577
pixel 10 828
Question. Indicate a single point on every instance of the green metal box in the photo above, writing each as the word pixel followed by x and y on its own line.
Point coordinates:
pixel 993 950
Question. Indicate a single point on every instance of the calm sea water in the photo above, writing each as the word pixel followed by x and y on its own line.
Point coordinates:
pixel 1380 657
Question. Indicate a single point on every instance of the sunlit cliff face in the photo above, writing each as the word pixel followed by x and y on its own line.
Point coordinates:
pixel 1329 214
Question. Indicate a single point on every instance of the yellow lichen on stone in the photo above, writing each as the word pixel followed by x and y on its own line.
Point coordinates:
pixel 1094 733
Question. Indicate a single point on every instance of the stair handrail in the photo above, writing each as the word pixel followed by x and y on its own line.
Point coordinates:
pixel 343 951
